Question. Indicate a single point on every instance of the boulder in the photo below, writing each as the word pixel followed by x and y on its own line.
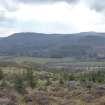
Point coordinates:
pixel 72 85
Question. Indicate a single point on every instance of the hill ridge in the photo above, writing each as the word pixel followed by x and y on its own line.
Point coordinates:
pixel 84 45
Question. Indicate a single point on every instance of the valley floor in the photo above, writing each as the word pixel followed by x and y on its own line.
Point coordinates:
pixel 28 83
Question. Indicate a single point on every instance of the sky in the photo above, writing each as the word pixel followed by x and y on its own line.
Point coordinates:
pixel 51 16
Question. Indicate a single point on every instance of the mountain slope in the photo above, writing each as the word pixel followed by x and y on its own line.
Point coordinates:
pixel 80 45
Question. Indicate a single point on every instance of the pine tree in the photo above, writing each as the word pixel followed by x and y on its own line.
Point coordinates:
pixel 19 84
pixel 30 78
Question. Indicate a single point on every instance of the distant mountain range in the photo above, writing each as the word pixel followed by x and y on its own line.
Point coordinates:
pixel 85 45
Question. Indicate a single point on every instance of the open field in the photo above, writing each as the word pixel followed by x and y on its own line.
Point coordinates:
pixel 52 60
pixel 47 81
pixel 55 63
pixel 19 86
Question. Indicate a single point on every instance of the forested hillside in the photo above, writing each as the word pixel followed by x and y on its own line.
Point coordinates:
pixel 80 45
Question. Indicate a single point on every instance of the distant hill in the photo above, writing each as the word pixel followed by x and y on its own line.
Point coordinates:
pixel 81 45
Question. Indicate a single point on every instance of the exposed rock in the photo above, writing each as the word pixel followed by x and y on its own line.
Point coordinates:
pixel 88 98
pixel 99 91
pixel 72 85
pixel 41 99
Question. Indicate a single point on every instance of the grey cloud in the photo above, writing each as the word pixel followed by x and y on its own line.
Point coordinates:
pixel 97 5
pixel 47 1
pixel 9 5
pixel 12 5
pixel 2 16
pixel 6 6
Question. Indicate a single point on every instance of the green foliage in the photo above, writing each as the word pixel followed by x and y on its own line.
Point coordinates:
pixel 19 84
pixel 30 78
pixel 48 82
pixel 94 76
pixel 64 75
pixel 1 74
pixel 72 77
pixel 3 84
pixel 61 81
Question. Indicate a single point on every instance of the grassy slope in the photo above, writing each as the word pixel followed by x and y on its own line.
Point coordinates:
pixel 50 60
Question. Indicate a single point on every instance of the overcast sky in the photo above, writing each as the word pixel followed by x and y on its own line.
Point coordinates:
pixel 51 16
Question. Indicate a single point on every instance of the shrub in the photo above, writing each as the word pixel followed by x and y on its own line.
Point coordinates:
pixel 48 82
pixel 30 78
pixel 94 76
pixel 71 77
pixel 3 84
pixel 61 81
pixel 19 84
pixel 1 74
